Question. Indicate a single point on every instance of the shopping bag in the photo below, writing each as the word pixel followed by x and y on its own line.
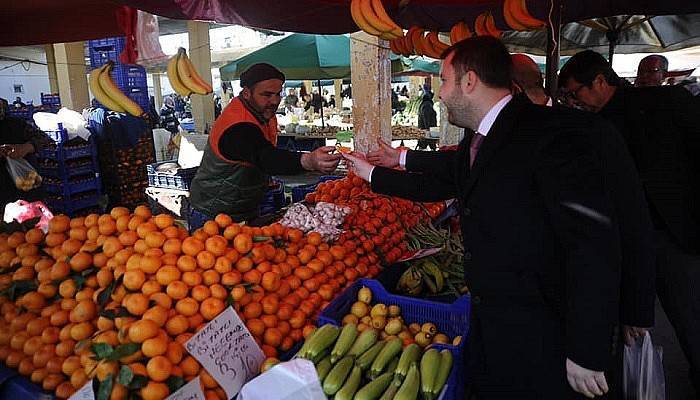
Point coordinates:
pixel 23 174
pixel 643 374
pixel 21 211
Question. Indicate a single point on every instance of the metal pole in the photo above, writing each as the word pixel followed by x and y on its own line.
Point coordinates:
pixel 323 124
pixel 553 39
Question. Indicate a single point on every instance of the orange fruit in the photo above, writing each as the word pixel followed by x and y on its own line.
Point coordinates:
pixel 231 231
pixel 223 220
pixel 154 391
pixel 243 243
pixel 128 238
pixel 187 263
pixel 143 212
pixel 252 310
pixel 223 264
pixel 187 306
pixel 81 331
pixel 172 246
pixel 218 291
pixel 210 277
pixel 253 276
pixel 157 314
pixel 171 232
pixel 136 303
pixel 200 292
pixel 134 279
pixel 59 223
pixel 34 236
pixel 159 368
pixel 161 299
pixel 174 352
pixel 192 278
pixel 143 229
pixel 167 274
pixel 206 259
pixel 192 246
pixel 150 264
pixel 143 329
pixel 155 239
pixel 211 307
pixel 85 310
pixel 155 346
pixel 211 228
pixel 176 325
pixel 270 281
pixel 216 245
pixel 150 287
pixel 272 337
pixel 244 264
pixel 163 221
pixel 231 278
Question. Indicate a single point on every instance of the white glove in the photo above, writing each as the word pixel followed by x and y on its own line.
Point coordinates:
pixel 358 165
pixel 588 383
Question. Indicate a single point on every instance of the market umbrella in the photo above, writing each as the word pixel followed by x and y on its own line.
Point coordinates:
pixel 624 34
pixel 415 66
pixel 299 56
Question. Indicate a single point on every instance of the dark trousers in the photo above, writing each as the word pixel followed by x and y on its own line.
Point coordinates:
pixel 678 289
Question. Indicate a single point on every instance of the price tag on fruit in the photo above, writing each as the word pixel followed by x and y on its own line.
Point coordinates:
pixel 191 391
pixel 227 350
pixel 84 393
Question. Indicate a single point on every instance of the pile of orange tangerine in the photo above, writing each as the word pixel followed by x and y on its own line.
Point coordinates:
pixel 134 278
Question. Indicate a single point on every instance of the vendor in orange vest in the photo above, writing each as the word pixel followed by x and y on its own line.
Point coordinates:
pixel 241 153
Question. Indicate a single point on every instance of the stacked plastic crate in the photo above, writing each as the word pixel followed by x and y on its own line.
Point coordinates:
pixel 130 78
pixel 70 172
pixel 51 102
pixel 123 170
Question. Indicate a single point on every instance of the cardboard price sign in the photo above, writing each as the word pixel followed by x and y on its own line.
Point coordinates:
pixel 191 391
pixel 227 350
pixel 84 393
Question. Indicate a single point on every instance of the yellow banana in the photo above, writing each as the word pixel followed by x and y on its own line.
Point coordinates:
pixel 510 19
pixel 490 25
pixel 360 20
pixel 185 74
pixel 196 77
pixel 175 82
pixel 113 91
pixel 380 12
pixel 480 25
pixel 100 95
pixel 374 21
pixel 519 11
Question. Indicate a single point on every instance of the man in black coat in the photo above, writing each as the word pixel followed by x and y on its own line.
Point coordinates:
pixel 541 242
pixel 660 127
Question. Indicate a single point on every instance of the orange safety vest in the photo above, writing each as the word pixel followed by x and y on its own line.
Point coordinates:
pixel 235 113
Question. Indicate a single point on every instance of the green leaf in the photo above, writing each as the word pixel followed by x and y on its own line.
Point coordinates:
pixel 118 312
pixel 229 300
pixel 101 350
pixel 138 382
pixel 89 271
pixel 105 390
pixel 123 350
pixel 106 294
pixel 174 383
pixel 79 281
pixel 126 375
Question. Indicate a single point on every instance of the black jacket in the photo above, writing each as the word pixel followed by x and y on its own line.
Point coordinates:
pixel 662 133
pixel 427 117
pixel 541 246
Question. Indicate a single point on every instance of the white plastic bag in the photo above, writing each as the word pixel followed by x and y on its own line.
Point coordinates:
pixel 23 174
pixel 21 211
pixel 292 380
pixel 147 43
pixel 74 123
pixel 643 374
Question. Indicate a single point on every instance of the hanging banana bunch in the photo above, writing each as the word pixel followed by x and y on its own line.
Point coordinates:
pixel 184 78
pixel 108 93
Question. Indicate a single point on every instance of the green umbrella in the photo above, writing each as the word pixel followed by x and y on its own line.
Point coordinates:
pixel 299 56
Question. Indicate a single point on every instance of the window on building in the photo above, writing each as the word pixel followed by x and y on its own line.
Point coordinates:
pixel 18 88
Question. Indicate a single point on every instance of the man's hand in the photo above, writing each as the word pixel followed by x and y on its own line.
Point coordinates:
pixel 632 333
pixel 359 166
pixel 16 150
pixel 321 160
pixel 385 156
pixel 588 383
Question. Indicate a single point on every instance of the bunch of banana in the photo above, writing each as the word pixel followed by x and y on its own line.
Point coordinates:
pixel 108 93
pixel 183 76
pixel 485 25
pixel 426 273
pixel 518 17
pixel 416 41
pixel 411 282
pixel 371 17
pixel 362 368
pixel 459 32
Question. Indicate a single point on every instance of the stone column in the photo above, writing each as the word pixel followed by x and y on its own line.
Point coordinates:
pixel 157 90
pixel 51 66
pixel 371 90
pixel 338 86
pixel 200 54
pixel 71 75
pixel 309 86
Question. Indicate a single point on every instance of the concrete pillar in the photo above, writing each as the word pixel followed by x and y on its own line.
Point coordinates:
pixel 414 85
pixel 200 54
pixel 51 66
pixel 449 134
pixel 371 90
pixel 71 75
pixel 338 87
pixel 157 91
pixel 309 87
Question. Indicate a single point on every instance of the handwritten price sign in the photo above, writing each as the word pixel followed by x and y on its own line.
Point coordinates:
pixel 227 350
pixel 191 391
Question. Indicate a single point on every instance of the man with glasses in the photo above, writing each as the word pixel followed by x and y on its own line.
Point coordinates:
pixel 652 71
pixel 660 128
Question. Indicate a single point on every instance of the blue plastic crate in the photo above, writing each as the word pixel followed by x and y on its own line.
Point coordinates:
pixel 19 387
pixel 129 76
pixel 68 152
pixel 102 50
pixel 326 178
pixel 450 319
pixel 68 189
pixel 196 219
pixel 140 96
pixel 50 100
pixel 58 136
pixel 300 192
pixel 274 199
pixel 61 172
pixel 71 207
pixel 180 180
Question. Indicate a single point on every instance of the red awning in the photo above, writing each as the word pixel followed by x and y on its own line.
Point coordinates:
pixel 52 21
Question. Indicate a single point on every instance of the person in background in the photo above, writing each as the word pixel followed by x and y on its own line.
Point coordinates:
pixel 331 102
pixel 18 139
pixel 307 102
pixel 18 103
pixel 404 91
pixel 168 118
pixel 291 100
pixel 427 118
pixel 652 71
pixel 541 250
pixel 217 106
pixel 527 79
pixel 660 128
pixel 241 155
